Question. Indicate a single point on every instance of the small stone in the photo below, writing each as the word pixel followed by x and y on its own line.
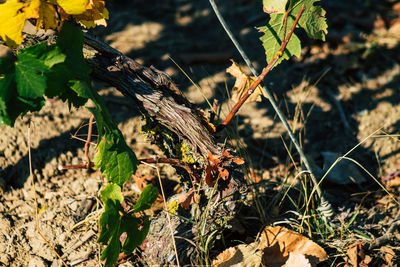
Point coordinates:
pixel 36 261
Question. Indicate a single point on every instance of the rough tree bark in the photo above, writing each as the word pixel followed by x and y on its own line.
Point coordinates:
pixel 177 121
pixel 160 100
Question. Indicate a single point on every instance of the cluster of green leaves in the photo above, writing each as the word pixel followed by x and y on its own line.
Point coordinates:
pixel 313 21
pixel 115 221
pixel 60 70
pixel 38 71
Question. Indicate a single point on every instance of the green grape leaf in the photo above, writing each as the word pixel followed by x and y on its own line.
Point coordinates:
pixel 49 54
pixel 110 223
pixel 57 85
pixel 312 21
pixel 7 87
pixel 274 6
pixel 53 56
pixel 146 199
pixel 273 34
pixel 134 236
pixel 113 192
pixel 114 222
pixel 70 41
pixel 114 158
pixel 7 83
pixel 30 76
pixel 12 105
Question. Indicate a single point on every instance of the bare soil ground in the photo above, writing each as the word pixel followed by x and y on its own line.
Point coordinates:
pixel 335 96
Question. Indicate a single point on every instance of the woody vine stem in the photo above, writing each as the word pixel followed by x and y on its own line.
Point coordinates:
pixel 325 208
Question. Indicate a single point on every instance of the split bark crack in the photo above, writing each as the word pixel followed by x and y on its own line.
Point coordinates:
pixel 162 103
pixel 160 100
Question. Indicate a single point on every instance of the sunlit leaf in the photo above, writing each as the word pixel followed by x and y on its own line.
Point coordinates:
pixel 274 6
pixel 73 7
pixel 242 84
pixel 11 22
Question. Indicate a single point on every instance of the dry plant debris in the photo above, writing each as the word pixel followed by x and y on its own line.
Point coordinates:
pixel 277 246
pixel 242 84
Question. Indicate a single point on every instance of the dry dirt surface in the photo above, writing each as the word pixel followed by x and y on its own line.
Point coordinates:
pixel 340 94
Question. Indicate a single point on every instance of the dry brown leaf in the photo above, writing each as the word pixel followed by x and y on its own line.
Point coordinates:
pixel 352 252
pixel 298 260
pixel 188 199
pixel 389 255
pixel 242 84
pixel 277 246
pixel 224 173
pixel 238 161
pixel 395 182
pixel 241 255
pixel 356 255
pixel 278 242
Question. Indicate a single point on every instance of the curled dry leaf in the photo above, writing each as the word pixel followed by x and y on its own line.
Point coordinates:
pixel 241 255
pixel 285 241
pixel 188 199
pixel 277 246
pixel 238 161
pixel 389 255
pixel 242 84
pixel 356 255
pixel 223 173
pixel 298 260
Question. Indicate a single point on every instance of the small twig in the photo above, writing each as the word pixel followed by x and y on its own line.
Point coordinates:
pixel 75 167
pixel 274 105
pixel 87 144
pixel 213 111
pixel 261 77
pixel 175 162
pixel 35 198
pixel 87 163
pixel 388 235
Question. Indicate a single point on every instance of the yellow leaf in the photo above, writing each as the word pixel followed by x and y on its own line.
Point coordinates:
pixel 73 7
pixel 42 209
pixel 95 14
pixel 242 84
pixel 12 21
pixel 47 17
pixel 32 9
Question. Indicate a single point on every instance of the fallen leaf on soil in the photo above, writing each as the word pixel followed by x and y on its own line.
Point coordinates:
pixel 227 154
pixel 238 161
pixel 352 255
pixel 242 84
pixel 213 159
pixel 298 260
pixel 210 170
pixel 188 199
pixel 344 172
pixel 356 256
pixel 389 255
pixel 241 255
pixel 278 242
pixel 224 173
pixel 277 246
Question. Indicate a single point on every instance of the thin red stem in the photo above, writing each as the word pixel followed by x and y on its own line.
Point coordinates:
pixel 265 71
pixel 87 144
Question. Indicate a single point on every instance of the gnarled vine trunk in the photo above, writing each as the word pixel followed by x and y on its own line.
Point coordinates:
pixel 177 121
